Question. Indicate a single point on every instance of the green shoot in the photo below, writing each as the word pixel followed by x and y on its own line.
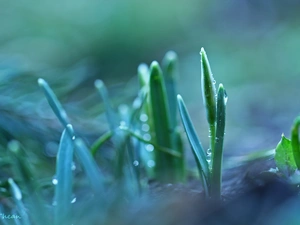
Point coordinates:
pixel 54 103
pixel 17 195
pixel 209 98
pixel 196 145
pixel 210 166
pixel 90 167
pixel 161 122
pixel 217 154
pixel 64 176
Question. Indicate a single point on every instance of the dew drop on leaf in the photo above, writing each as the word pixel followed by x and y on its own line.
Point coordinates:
pixel 150 163
pixel 149 148
pixel 136 163
pixel 143 117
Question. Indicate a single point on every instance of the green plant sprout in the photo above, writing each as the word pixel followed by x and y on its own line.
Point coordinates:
pixel 209 164
pixel 287 155
pixel 147 145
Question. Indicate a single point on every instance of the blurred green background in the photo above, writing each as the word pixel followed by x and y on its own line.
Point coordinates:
pixel 253 47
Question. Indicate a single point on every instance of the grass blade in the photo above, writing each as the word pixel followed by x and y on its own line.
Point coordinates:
pixel 169 63
pixel 90 167
pixel 197 148
pixel 24 171
pixel 17 196
pixel 217 154
pixel 109 111
pixel 295 141
pixel 209 99
pixel 143 75
pixel 100 141
pixel 63 189
pixel 170 72
pixel 156 146
pixel 161 122
pixel 208 88
pixel 54 103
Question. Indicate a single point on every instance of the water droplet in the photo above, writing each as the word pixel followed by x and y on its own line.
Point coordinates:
pixel 145 127
pixel 51 149
pixel 208 151
pixel 225 97
pixel 123 109
pixel 73 200
pixel 150 163
pixel 136 163
pixel 73 138
pixel 122 123
pixel 143 117
pixel 214 81
pixel 54 181
pixel 73 167
pixel 137 103
pixel 149 148
pixel 147 137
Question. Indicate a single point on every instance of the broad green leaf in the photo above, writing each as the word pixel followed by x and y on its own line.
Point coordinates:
pixel 197 148
pixel 295 142
pixel 217 153
pixel 161 122
pixel 169 66
pixel 208 88
pixel 284 157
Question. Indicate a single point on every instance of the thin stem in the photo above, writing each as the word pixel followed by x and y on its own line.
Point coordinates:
pixel 212 135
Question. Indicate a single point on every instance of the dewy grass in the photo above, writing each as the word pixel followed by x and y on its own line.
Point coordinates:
pixel 210 164
pixel 161 122
pixel 17 195
pixel 147 145
pixel 64 176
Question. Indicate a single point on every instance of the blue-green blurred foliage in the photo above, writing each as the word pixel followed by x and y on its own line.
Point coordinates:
pixel 253 47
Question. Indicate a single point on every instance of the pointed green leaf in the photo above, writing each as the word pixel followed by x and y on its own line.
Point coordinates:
pixel 64 176
pixel 17 195
pixel 54 103
pixel 109 111
pixel 217 153
pixel 284 157
pixel 197 148
pixel 208 88
pixel 161 122
pixel 90 167
pixel 170 73
pixel 295 141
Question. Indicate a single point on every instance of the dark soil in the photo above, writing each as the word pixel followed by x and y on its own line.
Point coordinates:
pixel 250 196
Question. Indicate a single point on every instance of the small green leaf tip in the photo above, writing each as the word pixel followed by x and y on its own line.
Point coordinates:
pixel 208 88
pixel 170 62
pixel 41 82
pixel 155 69
pixel 142 68
pixel 15 189
pixel 98 84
